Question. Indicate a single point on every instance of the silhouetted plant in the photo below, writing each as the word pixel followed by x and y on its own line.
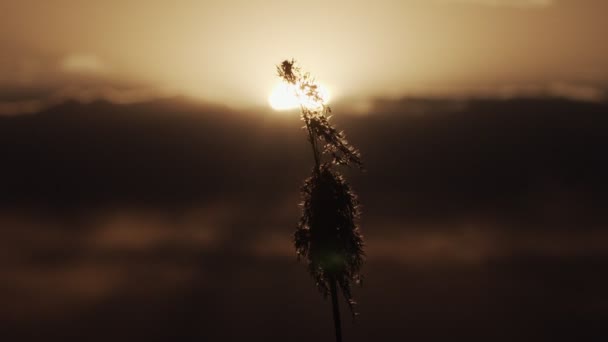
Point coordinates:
pixel 327 234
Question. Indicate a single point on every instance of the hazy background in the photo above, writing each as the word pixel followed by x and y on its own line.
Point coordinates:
pixel 148 192
pixel 221 50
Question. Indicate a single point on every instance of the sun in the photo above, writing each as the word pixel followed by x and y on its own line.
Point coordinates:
pixel 284 97
pixel 287 96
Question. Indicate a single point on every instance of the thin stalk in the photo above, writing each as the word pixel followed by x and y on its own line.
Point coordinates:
pixel 332 282
pixel 336 309
pixel 313 143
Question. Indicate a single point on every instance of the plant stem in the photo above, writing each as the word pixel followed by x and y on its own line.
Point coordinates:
pixel 313 142
pixel 332 280
pixel 336 308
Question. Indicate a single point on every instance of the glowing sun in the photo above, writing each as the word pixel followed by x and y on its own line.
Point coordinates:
pixel 287 96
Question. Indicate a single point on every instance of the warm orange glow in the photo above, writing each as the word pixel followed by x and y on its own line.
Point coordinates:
pixel 283 97
pixel 100 46
pixel 288 96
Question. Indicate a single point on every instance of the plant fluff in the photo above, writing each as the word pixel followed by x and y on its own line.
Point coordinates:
pixel 327 235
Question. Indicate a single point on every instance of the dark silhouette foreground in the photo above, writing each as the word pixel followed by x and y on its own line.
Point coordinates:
pixel 327 234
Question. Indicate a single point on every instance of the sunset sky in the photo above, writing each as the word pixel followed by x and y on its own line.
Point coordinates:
pixel 225 51
pixel 149 192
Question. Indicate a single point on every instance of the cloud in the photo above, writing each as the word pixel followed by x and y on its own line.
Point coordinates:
pixel 567 90
pixel 83 94
pixel 29 84
pixel 577 91
pixel 83 63
pixel 509 3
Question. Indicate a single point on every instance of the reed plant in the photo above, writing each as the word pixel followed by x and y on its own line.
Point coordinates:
pixel 327 236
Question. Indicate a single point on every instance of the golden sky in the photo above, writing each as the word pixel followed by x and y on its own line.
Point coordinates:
pixel 225 51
